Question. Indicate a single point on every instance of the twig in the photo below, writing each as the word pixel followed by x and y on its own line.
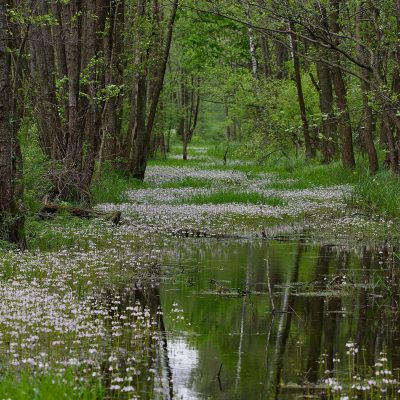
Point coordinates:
pixel 269 288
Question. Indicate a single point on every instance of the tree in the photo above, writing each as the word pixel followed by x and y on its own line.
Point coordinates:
pixel 11 220
pixel 143 122
pixel 67 63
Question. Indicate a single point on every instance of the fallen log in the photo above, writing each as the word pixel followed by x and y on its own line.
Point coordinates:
pixel 49 211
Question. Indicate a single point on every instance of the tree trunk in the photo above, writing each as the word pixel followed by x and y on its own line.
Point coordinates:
pixel 282 56
pixel 43 71
pixel 70 116
pixel 368 124
pixel 310 151
pixel 388 127
pixel 266 57
pixel 142 139
pixel 341 100
pixel 326 106
pixel 252 41
pixel 112 45
pixel 11 223
pixel 397 84
pixel 192 114
pixel 138 157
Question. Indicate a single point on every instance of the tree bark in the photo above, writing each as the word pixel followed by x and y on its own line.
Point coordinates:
pixel 368 125
pixel 11 222
pixel 143 136
pixel 348 158
pixel 111 114
pixel 309 148
pixel 326 105
pixel 69 116
pixel 282 56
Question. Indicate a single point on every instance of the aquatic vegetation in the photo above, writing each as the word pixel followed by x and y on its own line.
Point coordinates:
pixel 363 381
pixel 87 307
pixel 188 182
pixel 232 197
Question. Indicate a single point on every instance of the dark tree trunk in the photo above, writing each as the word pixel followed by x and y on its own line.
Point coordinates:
pixel 143 137
pixel 326 105
pixel 388 128
pixel 341 99
pixel 69 49
pixel 112 45
pixel 368 123
pixel 137 158
pixel 397 86
pixel 192 108
pixel 266 57
pixel 310 151
pixel 282 56
pixel 93 24
pixel 43 71
pixel 11 223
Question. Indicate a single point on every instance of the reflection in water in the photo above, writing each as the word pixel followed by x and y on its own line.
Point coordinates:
pixel 324 296
pixel 184 362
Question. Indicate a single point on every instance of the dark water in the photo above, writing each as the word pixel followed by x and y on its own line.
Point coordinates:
pixel 226 339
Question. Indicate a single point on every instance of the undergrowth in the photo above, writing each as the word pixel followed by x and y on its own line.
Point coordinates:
pixel 48 386
pixel 379 194
pixel 112 186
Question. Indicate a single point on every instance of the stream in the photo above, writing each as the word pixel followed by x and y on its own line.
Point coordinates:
pixel 195 296
pixel 225 341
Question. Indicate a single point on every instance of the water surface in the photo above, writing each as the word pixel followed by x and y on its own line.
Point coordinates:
pixel 273 319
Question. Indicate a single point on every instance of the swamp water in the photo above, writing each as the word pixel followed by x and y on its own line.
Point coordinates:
pixel 325 323
pixel 139 312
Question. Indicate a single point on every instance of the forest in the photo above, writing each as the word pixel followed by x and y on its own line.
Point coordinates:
pixel 199 199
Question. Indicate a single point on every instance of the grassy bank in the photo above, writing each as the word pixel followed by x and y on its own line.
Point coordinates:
pixel 50 386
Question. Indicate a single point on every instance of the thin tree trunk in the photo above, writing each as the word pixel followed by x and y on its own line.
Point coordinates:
pixel 252 41
pixel 43 71
pixel 391 144
pixel 310 150
pixel 367 128
pixel 326 105
pixel 341 99
pixel 111 112
pixel 140 94
pixel 95 17
pixel 142 142
pixel 282 55
pixel 266 57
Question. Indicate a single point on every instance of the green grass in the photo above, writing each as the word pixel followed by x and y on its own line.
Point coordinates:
pixel 226 196
pixel 187 183
pixel 111 186
pixel 174 162
pixel 379 194
pixel 48 387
